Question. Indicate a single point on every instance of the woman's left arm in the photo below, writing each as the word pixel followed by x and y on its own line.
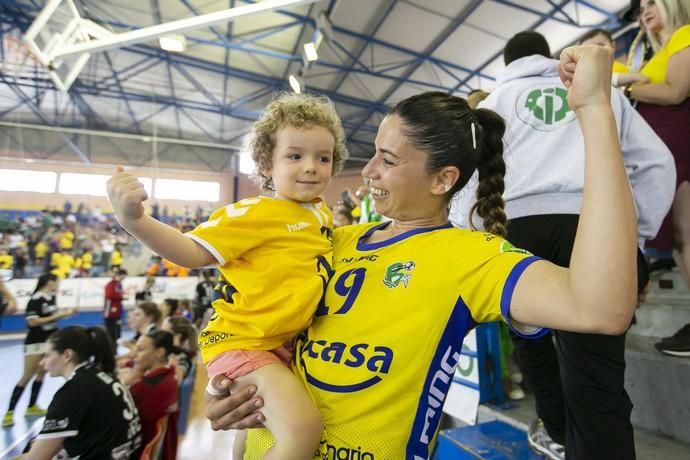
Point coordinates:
pixel 676 87
pixel 44 449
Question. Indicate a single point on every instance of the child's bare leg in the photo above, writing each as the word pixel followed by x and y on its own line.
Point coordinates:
pixel 291 416
pixel 238 446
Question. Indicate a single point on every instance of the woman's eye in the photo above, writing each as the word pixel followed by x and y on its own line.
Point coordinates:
pixel 387 162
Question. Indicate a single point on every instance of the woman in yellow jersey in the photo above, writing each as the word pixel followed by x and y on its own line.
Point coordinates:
pixel 665 104
pixel 379 356
pixel 274 255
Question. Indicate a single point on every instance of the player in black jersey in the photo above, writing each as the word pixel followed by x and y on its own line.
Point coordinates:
pixel 42 314
pixel 93 415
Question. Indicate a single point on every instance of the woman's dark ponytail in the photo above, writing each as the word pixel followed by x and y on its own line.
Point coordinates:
pixel 102 349
pixel 43 280
pixel 490 205
pixel 89 345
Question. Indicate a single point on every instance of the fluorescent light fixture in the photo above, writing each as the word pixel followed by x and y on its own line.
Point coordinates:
pixel 295 83
pixel 175 43
pixel 310 51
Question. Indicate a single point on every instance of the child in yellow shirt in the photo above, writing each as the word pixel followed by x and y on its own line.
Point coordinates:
pixel 274 255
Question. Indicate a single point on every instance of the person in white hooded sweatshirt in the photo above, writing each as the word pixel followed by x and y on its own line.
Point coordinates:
pixel 577 379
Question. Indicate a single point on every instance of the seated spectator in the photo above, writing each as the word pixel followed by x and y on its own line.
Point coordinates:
pixel 184 337
pixel 168 308
pixel 621 75
pixel 184 309
pixel 116 258
pixel 40 251
pixel 6 260
pixel 155 392
pixel 92 415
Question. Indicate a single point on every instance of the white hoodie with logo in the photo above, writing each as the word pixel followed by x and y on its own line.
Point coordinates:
pixel 544 151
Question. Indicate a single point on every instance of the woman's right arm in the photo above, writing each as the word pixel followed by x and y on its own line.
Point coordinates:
pixel 126 194
pixel 597 293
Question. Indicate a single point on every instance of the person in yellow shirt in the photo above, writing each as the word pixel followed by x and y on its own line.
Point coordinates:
pixel 40 250
pixel 664 103
pixel 64 264
pixel 6 259
pixel 86 263
pixel 274 254
pixel 66 240
pixel 116 258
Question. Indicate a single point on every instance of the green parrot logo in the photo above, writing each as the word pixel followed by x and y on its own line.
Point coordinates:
pixel 396 274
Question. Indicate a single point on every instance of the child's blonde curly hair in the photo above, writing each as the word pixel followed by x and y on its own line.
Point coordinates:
pixel 298 111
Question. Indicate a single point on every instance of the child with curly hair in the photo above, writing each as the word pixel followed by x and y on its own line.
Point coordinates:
pixel 274 255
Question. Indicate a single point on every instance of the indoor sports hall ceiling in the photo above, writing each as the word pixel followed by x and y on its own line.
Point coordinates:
pixel 375 53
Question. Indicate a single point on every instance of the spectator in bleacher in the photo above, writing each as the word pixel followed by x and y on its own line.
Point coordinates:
pixel 116 258
pixel 107 244
pixel 112 307
pixel 21 261
pixel 40 251
pixel 144 318
pixel 42 314
pixel 66 240
pixel 204 296
pixel 84 263
pixel 6 259
pixel 155 393
pixel 578 384
pixel 665 103
pixel 183 309
pixel 146 295
pixel 8 304
pixel 93 415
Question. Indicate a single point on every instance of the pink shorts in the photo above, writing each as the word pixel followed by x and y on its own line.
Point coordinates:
pixel 236 363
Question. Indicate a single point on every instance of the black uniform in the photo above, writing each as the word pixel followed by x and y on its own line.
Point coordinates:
pixel 204 296
pixel 96 416
pixel 41 305
pixel 144 295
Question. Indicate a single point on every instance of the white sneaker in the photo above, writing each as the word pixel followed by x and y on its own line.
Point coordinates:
pixel 540 442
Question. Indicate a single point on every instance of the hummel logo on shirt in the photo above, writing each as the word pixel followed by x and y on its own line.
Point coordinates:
pixel 297 226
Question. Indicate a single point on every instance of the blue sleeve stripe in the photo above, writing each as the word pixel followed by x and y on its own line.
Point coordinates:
pixel 507 297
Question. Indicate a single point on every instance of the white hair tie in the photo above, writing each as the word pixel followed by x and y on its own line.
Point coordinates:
pixel 474 136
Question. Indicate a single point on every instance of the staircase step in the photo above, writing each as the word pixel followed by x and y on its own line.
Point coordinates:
pixel 658 387
pixel 661 318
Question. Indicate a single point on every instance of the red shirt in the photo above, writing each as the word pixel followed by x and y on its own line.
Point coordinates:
pixel 113 300
pixel 155 395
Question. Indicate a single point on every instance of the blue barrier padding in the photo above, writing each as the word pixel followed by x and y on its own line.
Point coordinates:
pixel 489 358
pixel 486 441
pixel 17 323
pixel 186 390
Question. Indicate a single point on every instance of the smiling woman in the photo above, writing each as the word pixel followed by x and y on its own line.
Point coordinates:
pixel 379 355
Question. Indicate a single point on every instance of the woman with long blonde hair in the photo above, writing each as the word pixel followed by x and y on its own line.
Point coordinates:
pixel 664 102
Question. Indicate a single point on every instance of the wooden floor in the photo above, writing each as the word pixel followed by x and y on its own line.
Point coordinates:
pixel 200 441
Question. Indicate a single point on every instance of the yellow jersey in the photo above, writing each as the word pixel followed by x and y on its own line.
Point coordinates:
pixel 66 240
pixel 116 258
pixel 6 261
pixel 273 257
pixel 41 249
pixel 379 358
pixel 619 67
pixel 655 69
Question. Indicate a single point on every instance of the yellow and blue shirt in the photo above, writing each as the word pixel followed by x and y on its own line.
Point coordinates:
pixel 380 355
pixel 273 257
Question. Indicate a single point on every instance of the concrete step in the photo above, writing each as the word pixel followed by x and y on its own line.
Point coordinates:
pixel 661 318
pixel 658 386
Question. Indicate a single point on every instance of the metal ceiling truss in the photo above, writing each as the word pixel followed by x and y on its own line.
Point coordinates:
pixel 16 17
